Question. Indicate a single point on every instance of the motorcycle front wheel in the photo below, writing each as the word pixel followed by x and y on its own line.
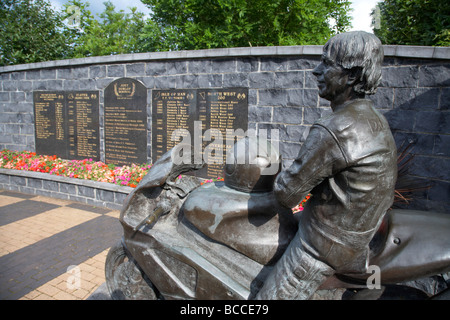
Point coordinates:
pixel 124 278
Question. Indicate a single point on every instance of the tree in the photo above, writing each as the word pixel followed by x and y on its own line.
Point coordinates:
pixel 199 24
pixel 413 22
pixel 114 33
pixel 31 31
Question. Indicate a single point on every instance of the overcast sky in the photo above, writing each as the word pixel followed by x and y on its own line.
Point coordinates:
pixel 361 10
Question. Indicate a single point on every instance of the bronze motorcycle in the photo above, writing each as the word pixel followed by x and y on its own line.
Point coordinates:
pixel 184 240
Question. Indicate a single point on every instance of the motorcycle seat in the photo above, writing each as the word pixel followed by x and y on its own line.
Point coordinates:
pixel 413 244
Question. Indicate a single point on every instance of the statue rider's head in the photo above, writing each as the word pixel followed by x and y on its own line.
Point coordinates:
pixel 351 59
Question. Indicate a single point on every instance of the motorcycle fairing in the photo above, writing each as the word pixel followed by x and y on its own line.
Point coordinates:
pixel 182 264
pixel 179 262
pixel 411 245
pixel 251 223
pixel 159 183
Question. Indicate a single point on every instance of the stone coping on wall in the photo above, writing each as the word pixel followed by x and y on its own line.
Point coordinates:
pixel 418 52
pixel 85 191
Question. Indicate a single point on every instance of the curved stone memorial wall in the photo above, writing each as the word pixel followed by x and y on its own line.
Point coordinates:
pixel 122 109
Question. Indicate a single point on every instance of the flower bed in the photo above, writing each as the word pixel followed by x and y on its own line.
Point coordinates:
pixel 86 169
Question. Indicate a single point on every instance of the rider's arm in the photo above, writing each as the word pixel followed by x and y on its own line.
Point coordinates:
pixel 319 158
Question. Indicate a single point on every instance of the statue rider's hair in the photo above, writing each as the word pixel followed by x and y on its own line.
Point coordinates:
pixel 360 52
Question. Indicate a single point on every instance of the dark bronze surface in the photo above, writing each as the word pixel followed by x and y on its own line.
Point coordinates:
pixel 252 165
pixel 216 242
pixel 242 211
pixel 416 244
pixel 348 164
pixel 252 223
pixel 239 239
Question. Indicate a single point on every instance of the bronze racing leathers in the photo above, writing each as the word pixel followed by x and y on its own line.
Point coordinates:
pixel 348 164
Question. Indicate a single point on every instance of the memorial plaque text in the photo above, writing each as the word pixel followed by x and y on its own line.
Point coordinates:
pixel 214 117
pixel 67 124
pixel 125 122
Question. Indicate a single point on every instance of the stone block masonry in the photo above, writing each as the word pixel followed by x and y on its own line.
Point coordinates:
pixel 93 193
pixel 414 96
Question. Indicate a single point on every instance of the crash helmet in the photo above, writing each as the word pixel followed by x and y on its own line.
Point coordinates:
pixel 252 165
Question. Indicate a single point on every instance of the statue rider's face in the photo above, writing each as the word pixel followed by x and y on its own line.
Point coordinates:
pixel 332 79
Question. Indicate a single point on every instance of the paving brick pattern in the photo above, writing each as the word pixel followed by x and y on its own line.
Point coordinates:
pixel 52 249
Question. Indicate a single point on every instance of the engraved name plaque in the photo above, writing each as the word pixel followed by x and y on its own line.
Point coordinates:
pixel 125 122
pixel 210 119
pixel 67 124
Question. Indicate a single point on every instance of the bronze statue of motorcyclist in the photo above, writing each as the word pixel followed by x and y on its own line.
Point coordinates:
pixel 347 163
pixel 228 240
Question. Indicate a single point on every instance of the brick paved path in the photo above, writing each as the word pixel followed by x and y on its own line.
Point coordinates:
pixel 51 248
